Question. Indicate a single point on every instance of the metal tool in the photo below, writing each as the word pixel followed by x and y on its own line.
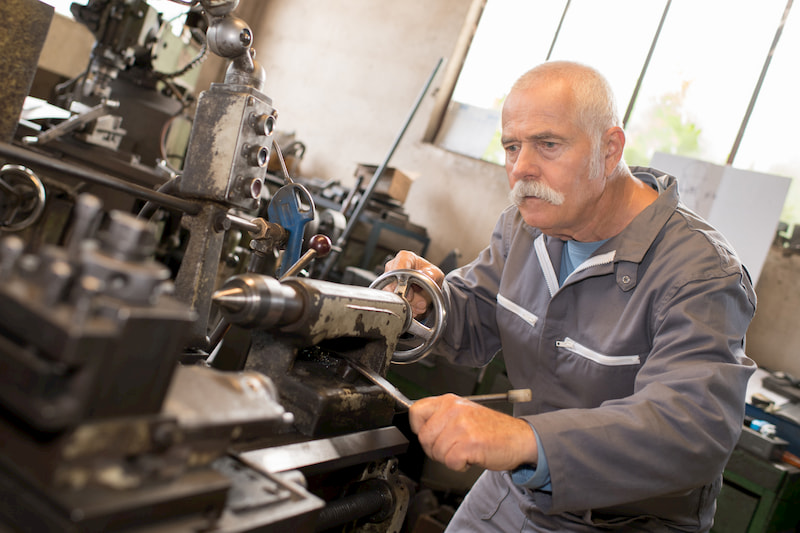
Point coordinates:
pixel 512 396
pixel 79 120
pixel 292 207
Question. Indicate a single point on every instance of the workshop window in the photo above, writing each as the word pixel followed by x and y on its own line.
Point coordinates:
pixel 684 73
pixel 171 10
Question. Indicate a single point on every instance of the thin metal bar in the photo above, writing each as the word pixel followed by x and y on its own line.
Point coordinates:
pixel 33 158
pixel 558 30
pixel 757 90
pixel 362 203
pixel 646 64
pixel 242 223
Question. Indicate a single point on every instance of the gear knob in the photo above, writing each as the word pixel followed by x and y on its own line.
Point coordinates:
pixel 321 244
pixel 318 246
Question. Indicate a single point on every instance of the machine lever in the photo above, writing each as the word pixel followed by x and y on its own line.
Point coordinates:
pixel 318 246
pixel 73 123
pixel 512 396
pixel 401 399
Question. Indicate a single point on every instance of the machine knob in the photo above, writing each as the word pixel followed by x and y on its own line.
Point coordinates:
pixel 264 124
pixel 318 246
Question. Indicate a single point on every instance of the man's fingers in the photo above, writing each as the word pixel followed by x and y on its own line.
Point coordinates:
pixel 404 260
pixel 419 299
pixel 421 411
pixel 434 273
pixel 411 261
pixel 460 433
pixel 435 420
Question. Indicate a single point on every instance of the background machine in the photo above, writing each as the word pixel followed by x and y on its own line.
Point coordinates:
pixel 166 362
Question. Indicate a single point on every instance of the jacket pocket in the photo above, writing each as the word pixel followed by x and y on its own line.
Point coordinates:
pixel 518 310
pixel 599 358
pixel 489 507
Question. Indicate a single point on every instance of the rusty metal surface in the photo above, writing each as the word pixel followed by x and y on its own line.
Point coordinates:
pixel 228 153
pixel 198 274
pixel 25 26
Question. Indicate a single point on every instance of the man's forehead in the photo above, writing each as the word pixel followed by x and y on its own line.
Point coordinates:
pixel 532 117
pixel 543 99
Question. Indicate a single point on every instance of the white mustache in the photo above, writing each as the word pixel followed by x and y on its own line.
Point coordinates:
pixel 537 189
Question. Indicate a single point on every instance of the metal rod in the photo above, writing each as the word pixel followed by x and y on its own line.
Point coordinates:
pixel 362 203
pixel 760 82
pixel 32 158
pixel 558 30
pixel 242 223
pixel 646 64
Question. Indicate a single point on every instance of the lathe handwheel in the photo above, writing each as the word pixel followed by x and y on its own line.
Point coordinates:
pixel 416 329
pixel 22 197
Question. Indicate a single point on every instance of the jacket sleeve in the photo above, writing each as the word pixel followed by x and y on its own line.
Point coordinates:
pixel 471 337
pixel 686 409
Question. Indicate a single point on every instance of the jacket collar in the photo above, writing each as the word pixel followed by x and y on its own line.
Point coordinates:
pixel 631 244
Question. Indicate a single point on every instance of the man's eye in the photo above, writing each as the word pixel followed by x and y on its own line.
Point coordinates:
pixel 511 148
pixel 549 145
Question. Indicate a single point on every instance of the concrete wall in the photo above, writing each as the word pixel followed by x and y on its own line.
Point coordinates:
pixel 67 48
pixel 344 76
pixel 773 340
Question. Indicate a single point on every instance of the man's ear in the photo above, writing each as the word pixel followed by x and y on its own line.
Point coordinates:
pixel 613 144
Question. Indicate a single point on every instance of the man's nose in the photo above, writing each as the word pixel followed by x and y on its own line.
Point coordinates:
pixel 526 165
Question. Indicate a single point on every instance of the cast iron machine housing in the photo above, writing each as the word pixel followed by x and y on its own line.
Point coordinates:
pixel 101 429
pixel 304 333
pixel 112 414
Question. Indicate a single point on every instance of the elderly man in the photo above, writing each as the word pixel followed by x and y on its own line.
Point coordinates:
pixel 622 310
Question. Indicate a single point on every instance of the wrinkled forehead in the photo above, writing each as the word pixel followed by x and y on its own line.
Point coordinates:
pixel 540 101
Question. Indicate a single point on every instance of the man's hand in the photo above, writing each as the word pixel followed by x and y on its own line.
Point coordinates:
pixel 460 433
pixel 418 298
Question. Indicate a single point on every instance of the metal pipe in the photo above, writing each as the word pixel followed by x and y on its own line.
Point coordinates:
pixel 362 203
pixel 646 64
pixel 558 30
pixel 760 82
pixel 149 208
pixel 99 178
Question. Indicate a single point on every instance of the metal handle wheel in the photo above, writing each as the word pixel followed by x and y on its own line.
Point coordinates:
pixel 428 333
pixel 22 197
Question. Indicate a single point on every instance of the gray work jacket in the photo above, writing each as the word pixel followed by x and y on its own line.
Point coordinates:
pixel 636 363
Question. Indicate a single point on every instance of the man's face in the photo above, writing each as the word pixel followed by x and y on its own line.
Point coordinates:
pixel 555 174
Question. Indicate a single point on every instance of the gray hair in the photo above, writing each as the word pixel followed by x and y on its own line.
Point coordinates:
pixel 597 107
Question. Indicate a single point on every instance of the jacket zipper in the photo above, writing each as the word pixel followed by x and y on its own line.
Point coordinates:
pixel 518 310
pixel 597 357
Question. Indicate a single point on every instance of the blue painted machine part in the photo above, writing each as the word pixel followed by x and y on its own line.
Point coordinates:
pixel 292 207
